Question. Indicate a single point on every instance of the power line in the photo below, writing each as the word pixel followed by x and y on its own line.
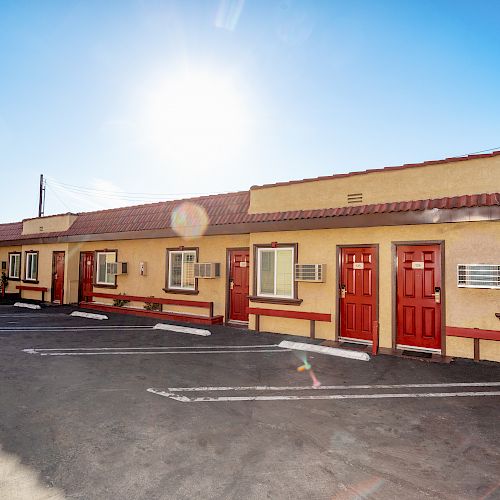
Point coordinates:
pixel 483 151
pixel 120 193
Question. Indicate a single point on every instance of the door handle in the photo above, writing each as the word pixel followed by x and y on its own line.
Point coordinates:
pixel 231 284
pixel 437 295
pixel 343 291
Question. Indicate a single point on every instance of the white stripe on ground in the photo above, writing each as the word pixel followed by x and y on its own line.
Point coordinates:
pixel 182 329
pixel 76 329
pixel 185 399
pixel 157 347
pixel 33 351
pixel 332 387
pixel 80 327
pixel 332 351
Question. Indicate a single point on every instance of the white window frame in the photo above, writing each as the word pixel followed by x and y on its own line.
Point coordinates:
pixel 97 281
pixel 183 252
pixel 28 268
pixel 17 256
pixel 260 250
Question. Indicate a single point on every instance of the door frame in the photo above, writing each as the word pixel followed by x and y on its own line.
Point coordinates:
pixel 394 290
pixel 54 252
pixel 338 277
pixel 228 273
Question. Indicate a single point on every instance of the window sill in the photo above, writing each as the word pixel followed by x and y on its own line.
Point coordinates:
pixel 183 292
pixel 274 300
pixel 10 278
pixel 95 285
pixel 33 282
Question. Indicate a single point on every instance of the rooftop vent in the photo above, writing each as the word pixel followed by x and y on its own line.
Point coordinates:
pixel 355 198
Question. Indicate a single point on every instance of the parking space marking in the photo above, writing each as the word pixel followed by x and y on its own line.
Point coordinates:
pixel 99 351
pixel 49 328
pixel 157 347
pixel 332 387
pixel 185 399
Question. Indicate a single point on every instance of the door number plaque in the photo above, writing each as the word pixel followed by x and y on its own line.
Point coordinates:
pixel 417 265
pixel 358 265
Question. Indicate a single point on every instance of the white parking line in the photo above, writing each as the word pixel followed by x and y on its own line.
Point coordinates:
pixel 74 328
pixel 100 351
pixel 157 347
pixel 332 387
pixel 185 399
pixel 147 352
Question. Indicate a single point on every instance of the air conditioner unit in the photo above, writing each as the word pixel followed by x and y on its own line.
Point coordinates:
pixel 116 268
pixel 206 270
pixel 310 272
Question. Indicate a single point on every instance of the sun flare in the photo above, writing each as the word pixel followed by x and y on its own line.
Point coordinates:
pixel 193 117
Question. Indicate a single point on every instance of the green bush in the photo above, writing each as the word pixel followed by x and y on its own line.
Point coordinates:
pixel 152 306
pixel 120 302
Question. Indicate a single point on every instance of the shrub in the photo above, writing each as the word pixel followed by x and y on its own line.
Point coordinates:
pixel 120 302
pixel 152 306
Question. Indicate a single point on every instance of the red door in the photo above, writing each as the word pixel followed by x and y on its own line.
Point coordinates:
pixel 419 296
pixel 58 277
pixel 86 275
pixel 358 292
pixel 239 267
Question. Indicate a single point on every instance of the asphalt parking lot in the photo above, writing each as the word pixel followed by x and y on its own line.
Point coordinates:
pixel 114 409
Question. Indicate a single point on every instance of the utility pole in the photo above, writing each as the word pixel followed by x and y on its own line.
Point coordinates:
pixel 41 197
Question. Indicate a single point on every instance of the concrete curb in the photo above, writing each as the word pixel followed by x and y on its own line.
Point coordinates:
pixel 81 314
pixel 182 329
pixel 332 351
pixel 27 306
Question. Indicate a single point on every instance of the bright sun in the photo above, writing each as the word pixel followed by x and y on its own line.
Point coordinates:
pixel 193 117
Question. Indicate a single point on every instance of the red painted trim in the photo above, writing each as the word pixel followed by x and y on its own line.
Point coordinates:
pixel 32 288
pixel 290 314
pixel 472 333
pixel 137 298
pixel 184 318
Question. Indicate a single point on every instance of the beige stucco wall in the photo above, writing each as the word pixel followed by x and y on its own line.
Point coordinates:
pixel 153 252
pixel 44 269
pixel 4 257
pixel 433 181
pixel 50 224
pixel 474 242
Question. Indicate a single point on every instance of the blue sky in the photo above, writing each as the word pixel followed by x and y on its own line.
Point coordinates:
pixel 178 97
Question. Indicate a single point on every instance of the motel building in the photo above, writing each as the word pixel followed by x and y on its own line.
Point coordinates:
pixel 407 257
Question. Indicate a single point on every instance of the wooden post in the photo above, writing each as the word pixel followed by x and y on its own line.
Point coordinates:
pixel 312 329
pixel 257 323
pixel 375 338
pixel 477 356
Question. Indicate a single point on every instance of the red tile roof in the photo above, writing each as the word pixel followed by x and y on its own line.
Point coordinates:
pixel 230 208
pixel 465 201
pixel 10 231
pixel 384 169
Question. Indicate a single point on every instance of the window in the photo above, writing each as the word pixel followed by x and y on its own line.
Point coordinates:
pixel 275 272
pixel 31 266
pixel 103 277
pixel 14 266
pixel 181 269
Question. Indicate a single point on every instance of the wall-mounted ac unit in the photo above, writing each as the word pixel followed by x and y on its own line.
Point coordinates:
pixel 478 275
pixel 310 272
pixel 206 269
pixel 116 268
